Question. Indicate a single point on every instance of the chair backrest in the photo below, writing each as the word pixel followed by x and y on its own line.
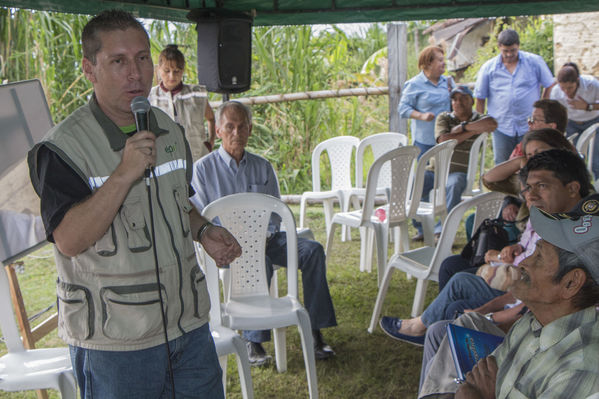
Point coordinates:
pixel 8 324
pixel 476 164
pixel 379 143
pixel 487 206
pixel 586 143
pixel 339 150
pixel 246 216
pixel 441 153
pixel 400 161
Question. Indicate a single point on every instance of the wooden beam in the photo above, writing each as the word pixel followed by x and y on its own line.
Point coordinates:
pixel 397 39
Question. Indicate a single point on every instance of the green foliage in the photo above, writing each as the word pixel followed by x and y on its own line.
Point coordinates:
pixel 46 46
pixel 536 36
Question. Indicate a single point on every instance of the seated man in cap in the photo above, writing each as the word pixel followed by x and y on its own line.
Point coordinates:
pixel 232 169
pixel 464 125
pixel 552 350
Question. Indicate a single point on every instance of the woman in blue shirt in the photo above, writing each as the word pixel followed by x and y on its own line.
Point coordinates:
pixel 425 96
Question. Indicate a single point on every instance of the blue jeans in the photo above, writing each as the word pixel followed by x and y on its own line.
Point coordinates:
pixel 144 373
pixel 456 184
pixel 579 127
pixel 452 265
pixel 423 148
pixel 312 263
pixel 503 145
pixel 463 291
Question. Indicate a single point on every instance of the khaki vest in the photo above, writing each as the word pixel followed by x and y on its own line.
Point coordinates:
pixel 190 104
pixel 107 295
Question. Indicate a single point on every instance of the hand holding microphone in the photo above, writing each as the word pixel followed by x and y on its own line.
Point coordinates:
pixel 139 154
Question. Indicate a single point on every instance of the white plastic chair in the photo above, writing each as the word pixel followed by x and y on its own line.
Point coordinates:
pixel 380 144
pixel 226 340
pixel 424 263
pixel 340 151
pixel 247 303
pixel 400 162
pixel 22 369
pixel 426 212
pixel 585 145
pixel 476 164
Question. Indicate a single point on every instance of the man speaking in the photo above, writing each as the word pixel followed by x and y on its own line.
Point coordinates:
pixel 127 275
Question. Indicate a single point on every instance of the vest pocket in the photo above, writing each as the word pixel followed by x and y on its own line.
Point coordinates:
pixel 132 312
pixel 201 300
pixel 184 208
pixel 75 310
pixel 138 236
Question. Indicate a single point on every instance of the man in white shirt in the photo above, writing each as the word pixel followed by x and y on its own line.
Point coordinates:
pixel 580 94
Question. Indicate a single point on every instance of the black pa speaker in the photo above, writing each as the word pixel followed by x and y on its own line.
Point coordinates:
pixel 224 49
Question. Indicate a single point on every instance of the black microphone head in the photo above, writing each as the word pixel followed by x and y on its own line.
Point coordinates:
pixel 140 104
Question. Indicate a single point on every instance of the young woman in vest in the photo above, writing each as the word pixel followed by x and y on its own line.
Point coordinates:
pixel 186 104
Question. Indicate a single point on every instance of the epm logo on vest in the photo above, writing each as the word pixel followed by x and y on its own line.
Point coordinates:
pixel 169 149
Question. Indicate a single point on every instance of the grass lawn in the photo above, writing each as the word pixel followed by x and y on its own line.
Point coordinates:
pixel 366 365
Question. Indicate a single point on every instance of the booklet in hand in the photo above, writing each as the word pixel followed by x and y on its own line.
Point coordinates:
pixel 469 346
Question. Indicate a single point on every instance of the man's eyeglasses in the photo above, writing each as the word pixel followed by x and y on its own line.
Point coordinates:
pixel 535 187
pixel 532 120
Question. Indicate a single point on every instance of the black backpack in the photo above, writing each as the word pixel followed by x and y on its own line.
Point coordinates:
pixel 489 235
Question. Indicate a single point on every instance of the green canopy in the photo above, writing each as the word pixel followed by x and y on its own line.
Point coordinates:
pixel 297 12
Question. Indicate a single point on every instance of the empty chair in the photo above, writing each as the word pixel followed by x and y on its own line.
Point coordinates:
pixel 435 207
pixel 247 303
pixel 400 162
pixel 340 152
pixel 476 165
pixel 585 145
pixel 379 144
pixel 226 340
pixel 424 263
pixel 22 369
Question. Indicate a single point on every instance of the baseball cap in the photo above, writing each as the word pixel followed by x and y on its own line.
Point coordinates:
pixel 462 90
pixel 576 231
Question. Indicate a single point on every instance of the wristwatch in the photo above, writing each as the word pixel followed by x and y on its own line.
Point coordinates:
pixel 463 125
pixel 590 107
pixel 489 316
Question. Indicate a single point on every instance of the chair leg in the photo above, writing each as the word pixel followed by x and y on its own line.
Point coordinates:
pixel 305 331
pixel 428 229
pixel 328 213
pixel 303 201
pixel 365 249
pixel 330 237
pixel 243 367
pixel 381 233
pixel 67 385
pixel 380 298
pixel 418 305
pixel 222 360
pixel 280 349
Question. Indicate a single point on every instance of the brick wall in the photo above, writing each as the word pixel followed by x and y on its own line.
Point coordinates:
pixel 575 39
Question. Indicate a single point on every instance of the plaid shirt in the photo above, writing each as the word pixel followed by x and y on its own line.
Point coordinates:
pixel 559 360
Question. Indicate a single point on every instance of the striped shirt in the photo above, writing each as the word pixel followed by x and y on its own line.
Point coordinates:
pixel 559 360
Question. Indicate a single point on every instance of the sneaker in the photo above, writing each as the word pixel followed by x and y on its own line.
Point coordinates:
pixel 391 326
pixel 322 350
pixel 256 354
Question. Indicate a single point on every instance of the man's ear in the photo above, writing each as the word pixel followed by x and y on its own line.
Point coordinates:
pixel 572 282
pixel 573 188
pixel 88 70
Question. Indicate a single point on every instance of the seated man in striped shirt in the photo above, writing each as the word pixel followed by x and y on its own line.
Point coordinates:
pixel 551 351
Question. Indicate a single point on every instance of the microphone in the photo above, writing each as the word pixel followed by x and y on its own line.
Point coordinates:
pixel 140 106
